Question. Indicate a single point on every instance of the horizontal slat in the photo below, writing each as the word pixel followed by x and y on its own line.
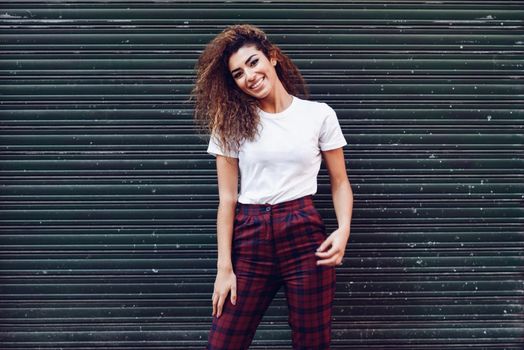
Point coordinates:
pixel 108 199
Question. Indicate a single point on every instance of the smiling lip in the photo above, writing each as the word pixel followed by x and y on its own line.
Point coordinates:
pixel 257 84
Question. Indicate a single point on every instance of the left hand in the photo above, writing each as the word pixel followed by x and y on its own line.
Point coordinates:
pixel 333 257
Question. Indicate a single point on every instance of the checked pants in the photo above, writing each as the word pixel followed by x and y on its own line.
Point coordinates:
pixel 274 245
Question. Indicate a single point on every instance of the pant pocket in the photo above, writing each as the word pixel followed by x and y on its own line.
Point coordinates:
pixel 317 219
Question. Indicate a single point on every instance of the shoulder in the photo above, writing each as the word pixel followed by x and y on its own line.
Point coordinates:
pixel 315 106
pixel 320 109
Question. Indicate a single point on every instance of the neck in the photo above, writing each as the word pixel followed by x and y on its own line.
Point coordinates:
pixel 277 101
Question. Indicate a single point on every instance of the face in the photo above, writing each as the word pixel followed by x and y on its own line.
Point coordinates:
pixel 253 72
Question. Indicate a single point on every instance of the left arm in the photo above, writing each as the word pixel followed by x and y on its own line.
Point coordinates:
pixel 343 203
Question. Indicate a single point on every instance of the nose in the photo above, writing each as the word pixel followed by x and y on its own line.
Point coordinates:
pixel 250 75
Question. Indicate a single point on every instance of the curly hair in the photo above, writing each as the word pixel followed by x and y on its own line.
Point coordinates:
pixel 221 108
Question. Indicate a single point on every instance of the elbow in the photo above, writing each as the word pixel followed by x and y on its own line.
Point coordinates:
pixel 228 200
pixel 340 182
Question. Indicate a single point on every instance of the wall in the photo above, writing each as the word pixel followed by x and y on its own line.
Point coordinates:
pixel 108 198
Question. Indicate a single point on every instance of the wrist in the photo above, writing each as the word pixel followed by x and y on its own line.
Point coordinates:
pixel 224 266
pixel 344 229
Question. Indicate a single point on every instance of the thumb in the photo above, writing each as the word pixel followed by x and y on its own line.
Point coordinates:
pixel 324 244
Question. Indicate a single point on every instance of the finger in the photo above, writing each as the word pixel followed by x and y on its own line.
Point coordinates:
pixel 333 250
pixel 325 255
pixel 214 304
pixel 234 294
pixel 220 304
pixel 329 262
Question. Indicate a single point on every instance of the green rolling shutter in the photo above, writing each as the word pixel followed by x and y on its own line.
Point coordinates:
pixel 108 198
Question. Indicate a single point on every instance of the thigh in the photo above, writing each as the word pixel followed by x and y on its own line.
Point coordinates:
pixel 237 325
pixel 298 234
pixel 252 252
pixel 257 285
pixel 309 288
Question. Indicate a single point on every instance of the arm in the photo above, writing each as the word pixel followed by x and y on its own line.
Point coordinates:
pixel 227 172
pixel 343 203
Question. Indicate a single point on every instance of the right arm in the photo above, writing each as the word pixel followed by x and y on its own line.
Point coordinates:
pixel 227 173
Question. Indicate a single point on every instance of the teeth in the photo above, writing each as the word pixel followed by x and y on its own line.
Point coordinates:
pixel 254 86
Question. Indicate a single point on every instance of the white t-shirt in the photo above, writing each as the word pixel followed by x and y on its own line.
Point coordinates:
pixel 283 162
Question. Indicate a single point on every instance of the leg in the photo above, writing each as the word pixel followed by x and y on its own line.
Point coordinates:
pixel 257 284
pixel 309 298
pixel 236 327
pixel 309 289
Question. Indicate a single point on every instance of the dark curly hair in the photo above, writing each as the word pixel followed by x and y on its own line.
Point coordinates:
pixel 221 108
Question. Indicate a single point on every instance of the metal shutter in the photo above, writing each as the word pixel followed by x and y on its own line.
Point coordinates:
pixel 108 198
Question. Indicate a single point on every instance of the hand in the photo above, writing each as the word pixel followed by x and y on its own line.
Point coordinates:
pixel 333 257
pixel 226 280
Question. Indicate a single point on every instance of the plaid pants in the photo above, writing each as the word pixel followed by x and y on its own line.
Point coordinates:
pixel 274 245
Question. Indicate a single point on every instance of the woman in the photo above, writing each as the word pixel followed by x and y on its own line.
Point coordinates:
pixel 246 97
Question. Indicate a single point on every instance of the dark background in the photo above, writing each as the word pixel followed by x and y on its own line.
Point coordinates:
pixel 108 197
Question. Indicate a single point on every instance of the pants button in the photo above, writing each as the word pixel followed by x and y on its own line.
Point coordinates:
pixel 268 208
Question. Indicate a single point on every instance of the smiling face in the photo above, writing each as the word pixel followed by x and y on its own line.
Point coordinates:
pixel 253 72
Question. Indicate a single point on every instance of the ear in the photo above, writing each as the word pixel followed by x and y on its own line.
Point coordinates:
pixel 273 58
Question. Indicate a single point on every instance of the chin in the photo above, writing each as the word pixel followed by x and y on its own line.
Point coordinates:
pixel 259 96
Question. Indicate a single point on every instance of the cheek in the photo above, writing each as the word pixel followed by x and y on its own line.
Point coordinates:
pixel 240 83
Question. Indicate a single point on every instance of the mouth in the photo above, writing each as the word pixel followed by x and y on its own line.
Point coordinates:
pixel 257 84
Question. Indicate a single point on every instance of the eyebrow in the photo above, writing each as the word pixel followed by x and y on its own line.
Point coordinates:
pixel 247 61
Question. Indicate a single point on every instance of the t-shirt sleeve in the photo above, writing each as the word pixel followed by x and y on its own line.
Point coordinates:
pixel 331 135
pixel 215 149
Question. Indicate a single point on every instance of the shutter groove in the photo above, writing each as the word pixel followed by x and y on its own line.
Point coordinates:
pixel 108 198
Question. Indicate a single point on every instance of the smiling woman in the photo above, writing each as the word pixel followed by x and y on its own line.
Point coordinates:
pixel 270 234
pixel 254 75
pixel 222 106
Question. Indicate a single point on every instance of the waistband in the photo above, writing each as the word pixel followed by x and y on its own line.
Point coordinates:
pixel 294 204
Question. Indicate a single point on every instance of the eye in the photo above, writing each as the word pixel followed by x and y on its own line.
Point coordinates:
pixel 251 64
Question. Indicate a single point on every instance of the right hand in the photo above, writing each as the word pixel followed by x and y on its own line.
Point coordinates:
pixel 226 280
